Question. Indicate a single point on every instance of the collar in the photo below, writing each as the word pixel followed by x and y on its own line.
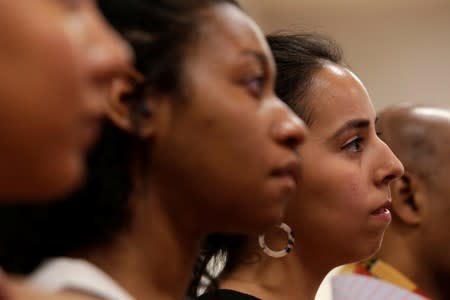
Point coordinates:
pixel 359 286
pixel 76 274
pixel 381 270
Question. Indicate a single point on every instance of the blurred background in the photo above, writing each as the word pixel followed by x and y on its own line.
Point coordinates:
pixel 399 48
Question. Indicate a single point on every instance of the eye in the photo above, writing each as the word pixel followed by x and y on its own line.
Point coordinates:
pixel 354 145
pixel 379 133
pixel 255 85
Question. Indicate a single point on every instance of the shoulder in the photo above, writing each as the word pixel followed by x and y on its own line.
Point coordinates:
pixel 63 273
pixel 226 295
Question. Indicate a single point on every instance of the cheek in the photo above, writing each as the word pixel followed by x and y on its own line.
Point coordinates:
pixel 219 138
pixel 222 153
pixel 52 59
pixel 231 141
pixel 332 197
pixel 332 180
pixel 42 75
pixel 356 189
pixel 60 95
pixel 67 67
pixel 331 208
pixel 234 125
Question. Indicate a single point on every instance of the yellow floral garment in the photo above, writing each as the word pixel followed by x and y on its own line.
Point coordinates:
pixel 381 270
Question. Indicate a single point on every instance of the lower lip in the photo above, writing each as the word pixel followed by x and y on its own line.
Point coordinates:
pixel 383 216
pixel 288 181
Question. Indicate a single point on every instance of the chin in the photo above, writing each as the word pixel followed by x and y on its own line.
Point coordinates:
pixel 362 251
pixel 62 181
pixel 368 251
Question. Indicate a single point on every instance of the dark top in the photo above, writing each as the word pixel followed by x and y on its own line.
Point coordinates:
pixel 226 295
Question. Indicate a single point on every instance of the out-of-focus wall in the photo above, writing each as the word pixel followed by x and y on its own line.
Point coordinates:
pixel 399 48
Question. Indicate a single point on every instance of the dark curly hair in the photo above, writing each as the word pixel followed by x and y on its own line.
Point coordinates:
pixel 159 32
pixel 298 57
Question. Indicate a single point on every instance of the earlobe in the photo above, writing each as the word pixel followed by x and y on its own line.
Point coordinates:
pixel 407 202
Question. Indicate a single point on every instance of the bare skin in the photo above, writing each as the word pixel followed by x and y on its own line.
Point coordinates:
pixel 345 177
pixel 418 241
pixel 232 124
pixel 58 61
pixel 15 289
pixel 154 257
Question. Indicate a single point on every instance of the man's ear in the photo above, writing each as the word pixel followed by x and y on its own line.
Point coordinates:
pixel 137 116
pixel 408 199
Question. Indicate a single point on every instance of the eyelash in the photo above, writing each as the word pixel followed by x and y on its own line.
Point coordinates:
pixel 356 142
pixel 255 91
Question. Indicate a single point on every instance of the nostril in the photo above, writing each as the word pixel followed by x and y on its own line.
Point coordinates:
pixel 389 178
pixel 292 142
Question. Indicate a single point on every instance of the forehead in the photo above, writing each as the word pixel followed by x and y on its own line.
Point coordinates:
pixel 336 95
pixel 226 31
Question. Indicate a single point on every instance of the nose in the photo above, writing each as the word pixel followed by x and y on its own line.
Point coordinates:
pixel 289 130
pixel 110 56
pixel 390 167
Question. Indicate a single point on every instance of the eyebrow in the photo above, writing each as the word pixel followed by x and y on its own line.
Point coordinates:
pixel 351 124
pixel 260 57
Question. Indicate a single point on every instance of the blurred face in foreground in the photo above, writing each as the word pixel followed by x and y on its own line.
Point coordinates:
pixel 57 60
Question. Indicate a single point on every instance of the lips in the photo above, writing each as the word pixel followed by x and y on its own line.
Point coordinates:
pixel 290 170
pixel 383 209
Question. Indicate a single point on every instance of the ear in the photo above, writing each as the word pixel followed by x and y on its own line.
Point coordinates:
pixel 408 199
pixel 138 117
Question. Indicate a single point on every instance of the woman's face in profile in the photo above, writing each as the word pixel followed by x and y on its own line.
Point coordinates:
pixel 231 144
pixel 57 60
pixel 346 171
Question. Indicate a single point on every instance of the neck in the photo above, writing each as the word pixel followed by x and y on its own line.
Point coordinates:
pixel 271 278
pixel 153 259
pixel 433 283
pixel 397 253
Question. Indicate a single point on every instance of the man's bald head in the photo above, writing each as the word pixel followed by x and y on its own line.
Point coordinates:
pixel 418 241
pixel 419 136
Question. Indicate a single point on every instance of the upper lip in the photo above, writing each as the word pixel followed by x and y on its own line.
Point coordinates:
pixel 291 169
pixel 386 205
